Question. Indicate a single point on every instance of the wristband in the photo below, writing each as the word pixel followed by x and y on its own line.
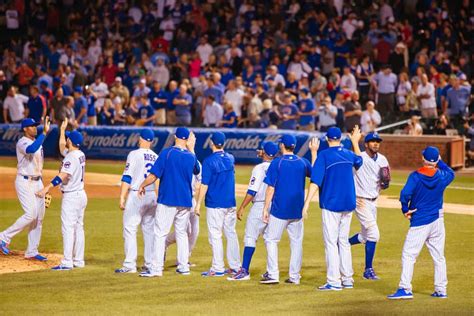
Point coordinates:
pixel 57 180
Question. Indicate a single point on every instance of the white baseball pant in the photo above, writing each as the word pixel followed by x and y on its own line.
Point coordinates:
pixel 255 226
pixel 192 231
pixel 33 207
pixel 366 212
pixel 218 220
pixel 72 226
pixel 164 218
pixel 139 211
pixel 433 235
pixel 336 227
pixel 272 237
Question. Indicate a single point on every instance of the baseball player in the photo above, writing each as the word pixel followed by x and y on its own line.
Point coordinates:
pixel 333 175
pixel 422 204
pixel 256 194
pixel 193 225
pixel 138 211
pixel 370 178
pixel 286 178
pixel 174 171
pixel 29 152
pixel 74 202
pixel 218 186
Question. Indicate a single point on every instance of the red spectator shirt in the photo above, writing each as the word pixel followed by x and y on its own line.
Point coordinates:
pixel 383 51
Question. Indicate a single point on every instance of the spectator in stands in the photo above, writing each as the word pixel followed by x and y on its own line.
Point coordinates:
pixel 146 113
pixel 364 72
pixel 91 112
pixel 229 119
pixel 412 101
pixel 352 111
pixel 385 84
pixel 158 100
pixel 327 115
pixel 307 111
pixel 403 89
pixel 80 106
pixel 414 128
pixel 288 112
pixel 101 91
pixel 457 98
pixel 213 112
pixel 69 113
pixel 370 118
pixel 36 105
pixel 171 108
pixel 183 102
pixel 348 80
pixel 426 95
pixel 14 106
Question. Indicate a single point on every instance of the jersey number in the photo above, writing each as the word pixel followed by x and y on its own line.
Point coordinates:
pixel 148 166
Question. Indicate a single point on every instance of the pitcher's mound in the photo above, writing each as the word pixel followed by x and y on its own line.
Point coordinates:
pixel 16 262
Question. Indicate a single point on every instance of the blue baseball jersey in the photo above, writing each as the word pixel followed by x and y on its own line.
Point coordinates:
pixel 424 192
pixel 219 175
pixel 333 174
pixel 175 168
pixel 228 117
pixel 306 106
pixel 146 111
pixel 290 110
pixel 287 175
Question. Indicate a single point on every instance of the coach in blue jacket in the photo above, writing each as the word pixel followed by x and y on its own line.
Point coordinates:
pixel 422 204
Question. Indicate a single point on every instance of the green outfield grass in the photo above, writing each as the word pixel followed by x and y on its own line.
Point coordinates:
pixel 97 290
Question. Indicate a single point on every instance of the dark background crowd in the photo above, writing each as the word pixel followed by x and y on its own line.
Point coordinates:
pixel 285 64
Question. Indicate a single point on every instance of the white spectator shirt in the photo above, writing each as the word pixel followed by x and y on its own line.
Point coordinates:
pixel 29 164
pixel 74 164
pixel 366 118
pixel 204 52
pixel 429 89
pixel 256 183
pixel 349 83
pixel 13 22
pixel 213 113
pixel 349 27
pixel 167 26
pixel 102 91
pixel 299 69
pixel 138 165
pixel 367 177
pixel 236 98
pixel 15 106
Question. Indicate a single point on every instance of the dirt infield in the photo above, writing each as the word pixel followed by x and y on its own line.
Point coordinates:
pixel 16 262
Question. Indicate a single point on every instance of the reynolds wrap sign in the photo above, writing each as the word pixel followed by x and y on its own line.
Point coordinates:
pixel 106 142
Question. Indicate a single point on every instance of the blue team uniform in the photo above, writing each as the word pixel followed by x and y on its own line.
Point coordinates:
pixel 219 175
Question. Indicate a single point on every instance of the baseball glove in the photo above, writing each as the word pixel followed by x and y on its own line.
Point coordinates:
pixel 140 122
pixel 384 177
pixel 47 199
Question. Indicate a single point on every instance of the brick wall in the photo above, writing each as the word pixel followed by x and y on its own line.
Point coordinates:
pixel 404 152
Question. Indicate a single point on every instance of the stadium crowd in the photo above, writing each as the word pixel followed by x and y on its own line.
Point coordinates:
pixel 285 64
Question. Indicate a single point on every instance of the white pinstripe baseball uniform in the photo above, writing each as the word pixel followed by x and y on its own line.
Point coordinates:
pixel 367 184
pixel 73 205
pixel 139 211
pixel 27 182
pixel 255 226
pixel 193 225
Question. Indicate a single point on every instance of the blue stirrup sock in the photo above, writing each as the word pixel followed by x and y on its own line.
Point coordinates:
pixel 369 253
pixel 354 240
pixel 248 253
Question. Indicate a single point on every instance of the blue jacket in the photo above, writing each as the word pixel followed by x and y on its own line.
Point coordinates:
pixel 424 192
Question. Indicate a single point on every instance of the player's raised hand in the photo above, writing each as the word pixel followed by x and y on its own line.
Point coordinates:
pixel 63 126
pixel 314 145
pixel 356 134
pixel 191 143
pixel 47 125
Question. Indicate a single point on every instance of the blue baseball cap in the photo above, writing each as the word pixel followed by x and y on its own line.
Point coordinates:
pixel 29 122
pixel 75 137
pixel 56 80
pixel 334 133
pixel 182 133
pixel 270 149
pixel 305 90
pixel 372 136
pixel 78 89
pixel 43 82
pixel 218 138
pixel 431 154
pixel 262 145
pixel 288 140
pixel 147 134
